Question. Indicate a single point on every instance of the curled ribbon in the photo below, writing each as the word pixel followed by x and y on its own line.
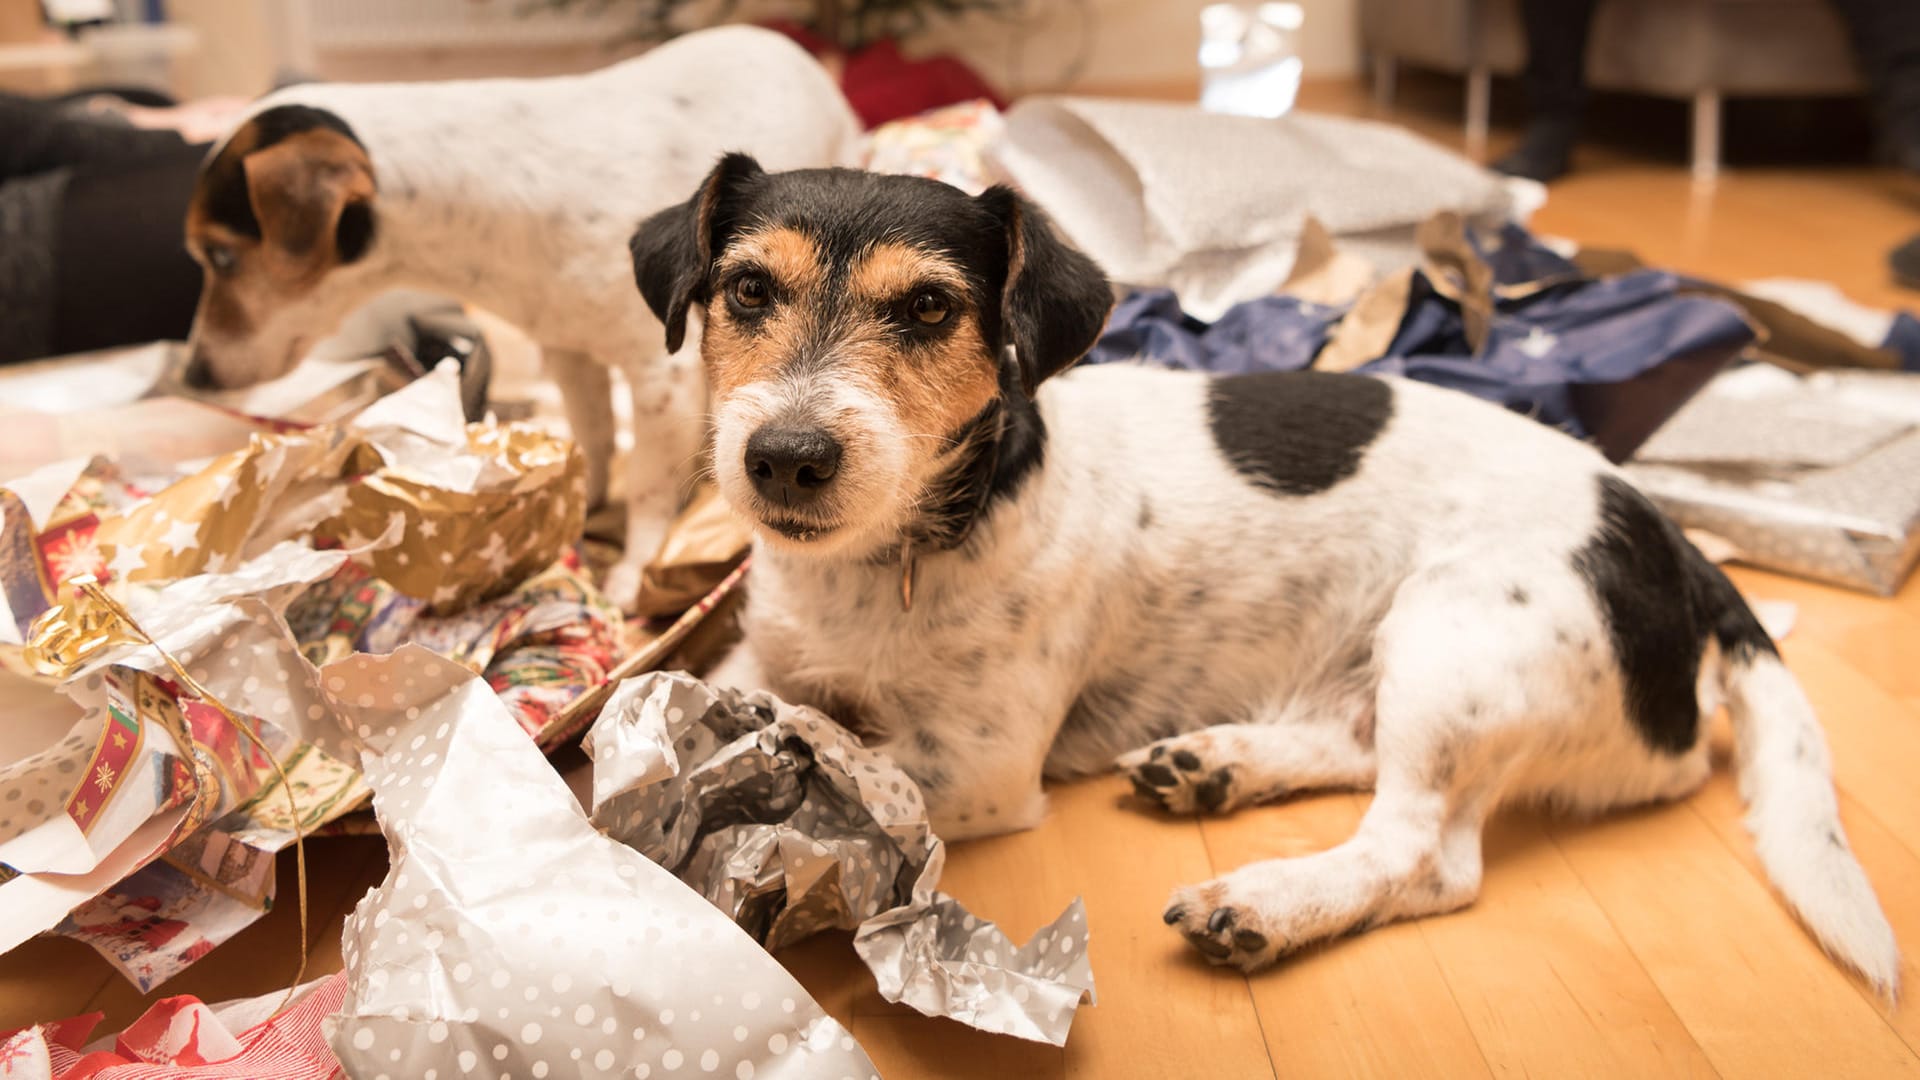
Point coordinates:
pixel 73 632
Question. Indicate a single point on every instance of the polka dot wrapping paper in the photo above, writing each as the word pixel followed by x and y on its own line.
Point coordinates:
pixel 782 819
pixel 511 939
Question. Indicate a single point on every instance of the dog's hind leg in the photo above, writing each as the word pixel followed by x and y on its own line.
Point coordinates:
pixel 1227 766
pixel 586 390
pixel 1476 693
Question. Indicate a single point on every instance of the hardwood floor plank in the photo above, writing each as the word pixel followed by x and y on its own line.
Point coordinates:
pixel 1536 954
pixel 1373 1005
pixel 1891 864
pixel 1752 989
pixel 1159 1014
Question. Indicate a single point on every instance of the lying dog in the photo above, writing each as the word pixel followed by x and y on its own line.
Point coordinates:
pixel 516 194
pixel 1244 587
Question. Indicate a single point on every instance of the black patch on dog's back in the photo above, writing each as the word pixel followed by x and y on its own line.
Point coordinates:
pixel 1661 599
pixel 1297 432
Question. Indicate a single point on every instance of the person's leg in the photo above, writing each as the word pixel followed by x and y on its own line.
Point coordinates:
pixel 1556 85
pixel 1886 39
pixel 1904 261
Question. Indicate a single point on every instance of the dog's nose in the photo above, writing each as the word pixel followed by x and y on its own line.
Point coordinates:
pixel 792 466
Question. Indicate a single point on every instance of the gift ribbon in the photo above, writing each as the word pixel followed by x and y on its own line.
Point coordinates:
pixel 584 708
pixel 70 633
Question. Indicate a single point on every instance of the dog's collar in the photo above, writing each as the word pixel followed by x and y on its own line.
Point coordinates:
pixel 947 525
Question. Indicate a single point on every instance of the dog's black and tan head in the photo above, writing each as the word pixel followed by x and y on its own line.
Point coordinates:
pixel 283 204
pixel 853 329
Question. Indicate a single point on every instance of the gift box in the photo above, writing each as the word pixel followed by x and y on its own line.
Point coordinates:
pixel 1817 475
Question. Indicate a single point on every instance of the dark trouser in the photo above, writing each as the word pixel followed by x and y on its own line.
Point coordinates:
pixel 1556 75
pixel 1886 41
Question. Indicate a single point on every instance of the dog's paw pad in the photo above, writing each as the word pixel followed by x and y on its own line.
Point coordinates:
pixel 1221 932
pixel 1175 775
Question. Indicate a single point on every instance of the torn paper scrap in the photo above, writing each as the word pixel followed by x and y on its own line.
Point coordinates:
pixel 783 820
pixel 510 937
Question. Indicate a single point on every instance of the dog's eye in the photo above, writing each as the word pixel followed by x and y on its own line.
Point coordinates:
pixel 220 257
pixel 751 291
pixel 928 308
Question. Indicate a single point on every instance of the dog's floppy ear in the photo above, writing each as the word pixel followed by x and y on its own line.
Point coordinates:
pixel 1055 300
pixel 311 194
pixel 673 249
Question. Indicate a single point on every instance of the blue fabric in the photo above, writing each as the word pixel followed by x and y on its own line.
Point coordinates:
pixel 1903 337
pixel 1517 258
pixel 1273 333
pixel 1538 347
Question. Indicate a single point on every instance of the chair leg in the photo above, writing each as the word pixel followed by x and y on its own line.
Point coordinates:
pixel 1706 136
pixel 1479 104
pixel 1383 77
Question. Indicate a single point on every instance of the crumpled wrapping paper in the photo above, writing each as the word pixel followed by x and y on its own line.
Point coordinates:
pixel 784 821
pixel 180 1038
pixel 471 510
pixel 154 853
pixel 541 645
pixel 1213 206
pixel 702 546
pixel 115 793
pixel 512 938
pixel 948 144
pixel 481 507
pixel 1816 476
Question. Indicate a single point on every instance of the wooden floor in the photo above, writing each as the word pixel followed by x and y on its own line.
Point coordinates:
pixel 1641 945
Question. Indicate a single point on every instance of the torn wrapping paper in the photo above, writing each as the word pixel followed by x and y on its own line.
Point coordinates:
pixel 153 851
pixel 947 144
pixel 138 775
pixel 784 821
pixel 480 507
pixel 540 645
pixel 1213 206
pixel 512 938
pixel 1817 476
pixel 704 543
pixel 153 887
pixel 180 1038
pixel 477 509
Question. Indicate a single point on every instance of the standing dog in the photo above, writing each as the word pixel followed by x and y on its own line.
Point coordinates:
pixel 516 194
pixel 1241 587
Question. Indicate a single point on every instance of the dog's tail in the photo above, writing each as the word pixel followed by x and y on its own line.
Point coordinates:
pixel 1786 779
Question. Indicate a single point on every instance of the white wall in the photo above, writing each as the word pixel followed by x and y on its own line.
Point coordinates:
pixel 1127 43
pixel 1112 45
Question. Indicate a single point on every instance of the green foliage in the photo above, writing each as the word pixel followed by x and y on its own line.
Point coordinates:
pixel 852 23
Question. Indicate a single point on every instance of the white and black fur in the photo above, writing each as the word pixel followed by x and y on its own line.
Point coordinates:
pixel 519 195
pixel 1245 587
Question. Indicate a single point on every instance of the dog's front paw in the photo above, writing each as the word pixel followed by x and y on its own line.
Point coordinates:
pixel 1223 931
pixel 1180 775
